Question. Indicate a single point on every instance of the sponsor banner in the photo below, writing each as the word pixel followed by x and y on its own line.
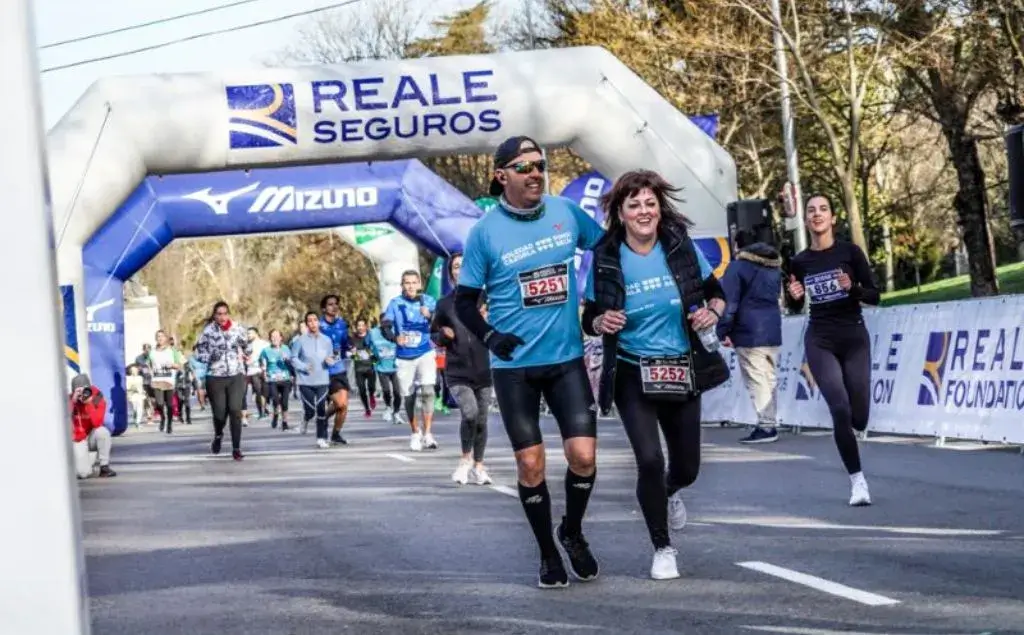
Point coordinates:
pixel 954 369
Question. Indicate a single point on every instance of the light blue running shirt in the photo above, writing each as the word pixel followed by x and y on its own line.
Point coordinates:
pixel 654 312
pixel 528 268
pixel 276 361
pixel 409 321
pixel 383 350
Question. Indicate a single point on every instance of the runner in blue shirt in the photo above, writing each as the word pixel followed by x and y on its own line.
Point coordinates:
pixel 276 363
pixel 652 297
pixel 336 329
pixel 407 323
pixel 384 363
pixel 524 252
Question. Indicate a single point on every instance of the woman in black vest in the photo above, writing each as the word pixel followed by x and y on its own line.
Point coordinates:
pixel 653 299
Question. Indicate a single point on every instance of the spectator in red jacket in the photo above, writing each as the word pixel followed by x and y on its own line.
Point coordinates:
pixel 87 408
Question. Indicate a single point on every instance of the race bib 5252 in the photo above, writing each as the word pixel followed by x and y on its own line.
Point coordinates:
pixel 824 287
pixel 545 286
pixel 666 375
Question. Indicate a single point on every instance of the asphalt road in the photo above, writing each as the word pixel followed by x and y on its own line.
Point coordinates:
pixel 372 538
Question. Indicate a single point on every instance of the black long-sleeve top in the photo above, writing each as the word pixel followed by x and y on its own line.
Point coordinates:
pixel 818 271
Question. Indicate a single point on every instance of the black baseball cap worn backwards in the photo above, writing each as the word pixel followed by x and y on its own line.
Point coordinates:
pixel 508 150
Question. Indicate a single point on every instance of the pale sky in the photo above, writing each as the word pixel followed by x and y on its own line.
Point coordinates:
pixel 58 20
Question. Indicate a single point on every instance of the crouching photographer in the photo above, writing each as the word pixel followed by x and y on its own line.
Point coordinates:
pixel 87 408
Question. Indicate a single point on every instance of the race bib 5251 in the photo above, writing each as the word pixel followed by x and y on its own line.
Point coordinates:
pixel 824 287
pixel 545 286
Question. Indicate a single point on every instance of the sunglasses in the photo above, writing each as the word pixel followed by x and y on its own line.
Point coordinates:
pixel 525 167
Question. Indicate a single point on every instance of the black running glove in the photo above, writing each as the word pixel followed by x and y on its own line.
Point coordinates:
pixel 502 344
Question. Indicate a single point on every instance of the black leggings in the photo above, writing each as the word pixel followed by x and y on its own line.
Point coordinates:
pixel 165 404
pixel 840 362
pixel 680 424
pixel 184 403
pixel 566 389
pixel 259 394
pixel 279 391
pixel 226 395
pixel 389 386
pixel 366 382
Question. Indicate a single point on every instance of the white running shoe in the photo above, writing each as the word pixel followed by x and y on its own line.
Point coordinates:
pixel 323 444
pixel 461 473
pixel 859 494
pixel 429 442
pixel 676 511
pixel 663 567
pixel 387 416
pixel 481 476
pixel 416 442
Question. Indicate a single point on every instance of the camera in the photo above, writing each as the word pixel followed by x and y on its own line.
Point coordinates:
pixel 87 393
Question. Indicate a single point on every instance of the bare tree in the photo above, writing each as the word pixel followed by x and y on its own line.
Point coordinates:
pixel 374 30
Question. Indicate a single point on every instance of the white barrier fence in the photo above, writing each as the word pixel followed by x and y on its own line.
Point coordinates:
pixel 954 369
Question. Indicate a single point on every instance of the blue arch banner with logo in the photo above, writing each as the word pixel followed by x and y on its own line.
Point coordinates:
pixel 405 193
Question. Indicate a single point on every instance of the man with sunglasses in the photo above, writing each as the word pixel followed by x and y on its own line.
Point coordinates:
pixel 523 252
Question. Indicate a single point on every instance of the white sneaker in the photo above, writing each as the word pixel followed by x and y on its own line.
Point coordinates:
pixel 429 442
pixel 481 476
pixel 416 442
pixel 676 511
pixel 461 473
pixel 859 494
pixel 387 416
pixel 323 444
pixel 663 567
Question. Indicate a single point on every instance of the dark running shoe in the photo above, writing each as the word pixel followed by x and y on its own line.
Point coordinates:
pixel 106 472
pixel 761 435
pixel 215 446
pixel 337 439
pixel 581 562
pixel 237 455
pixel 552 574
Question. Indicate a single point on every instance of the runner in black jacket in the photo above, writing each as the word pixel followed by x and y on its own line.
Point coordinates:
pixel 468 368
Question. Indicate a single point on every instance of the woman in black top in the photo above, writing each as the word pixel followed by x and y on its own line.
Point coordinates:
pixel 835 277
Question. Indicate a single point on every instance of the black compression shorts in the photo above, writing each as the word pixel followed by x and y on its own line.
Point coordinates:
pixel 566 389
pixel 339 382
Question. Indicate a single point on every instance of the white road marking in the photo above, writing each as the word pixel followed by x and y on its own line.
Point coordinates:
pixel 820 584
pixel 798 630
pixel 400 457
pixel 795 523
pixel 506 490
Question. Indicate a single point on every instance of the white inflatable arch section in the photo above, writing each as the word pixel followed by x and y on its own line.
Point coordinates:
pixel 390 251
pixel 125 128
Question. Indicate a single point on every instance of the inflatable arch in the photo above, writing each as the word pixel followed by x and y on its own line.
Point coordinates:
pixel 126 128
pixel 403 193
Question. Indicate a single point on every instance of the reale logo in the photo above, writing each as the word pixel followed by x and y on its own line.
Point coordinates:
pixel 929 393
pixel 261 116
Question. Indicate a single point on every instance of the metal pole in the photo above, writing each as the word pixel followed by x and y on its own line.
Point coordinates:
pixel 43 586
pixel 796 224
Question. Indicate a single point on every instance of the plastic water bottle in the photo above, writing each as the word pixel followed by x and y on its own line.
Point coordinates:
pixel 708 337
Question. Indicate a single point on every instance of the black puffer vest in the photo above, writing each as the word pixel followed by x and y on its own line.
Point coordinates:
pixel 709 369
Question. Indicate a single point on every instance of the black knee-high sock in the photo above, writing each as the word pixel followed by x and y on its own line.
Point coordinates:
pixel 537 505
pixel 577 495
